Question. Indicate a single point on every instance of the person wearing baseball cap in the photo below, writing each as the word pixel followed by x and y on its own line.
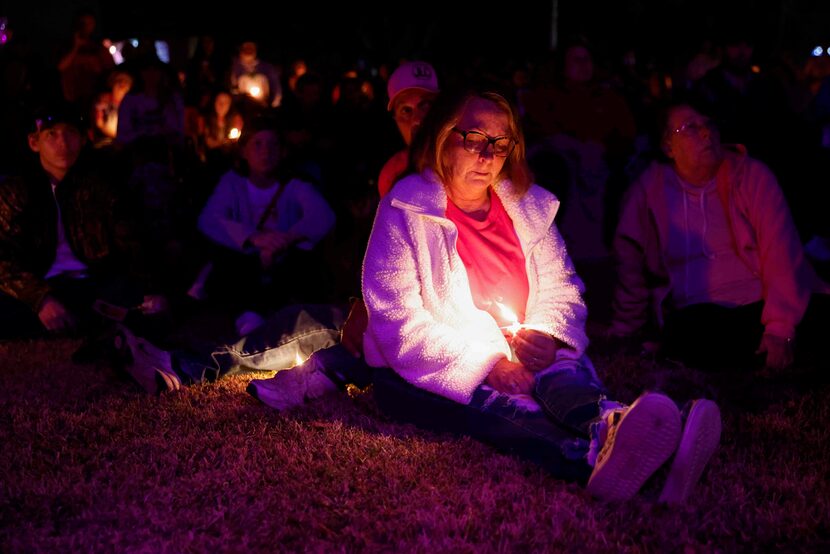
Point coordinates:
pixel 50 115
pixel 412 88
pixel 61 242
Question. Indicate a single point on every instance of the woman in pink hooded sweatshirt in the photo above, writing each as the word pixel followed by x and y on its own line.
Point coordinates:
pixel 706 250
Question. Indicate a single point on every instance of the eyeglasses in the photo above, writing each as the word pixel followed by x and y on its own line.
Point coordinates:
pixel 695 126
pixel 476 143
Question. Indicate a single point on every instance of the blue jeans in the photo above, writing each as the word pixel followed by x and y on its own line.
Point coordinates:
pixel 554 434
pixel 295 331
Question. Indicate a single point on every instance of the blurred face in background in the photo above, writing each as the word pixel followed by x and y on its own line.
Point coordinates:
pixel 58 147
pixel 692 141
pixel 262 152
pixel 409 109
pixel 86 25
pixel 579 65
pixel 738 56
pixel 248 52
pixel 222 104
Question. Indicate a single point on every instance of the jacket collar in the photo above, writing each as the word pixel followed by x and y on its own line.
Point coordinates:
pixel 532 213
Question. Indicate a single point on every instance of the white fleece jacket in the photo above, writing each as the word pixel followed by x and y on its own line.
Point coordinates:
pixel 422 319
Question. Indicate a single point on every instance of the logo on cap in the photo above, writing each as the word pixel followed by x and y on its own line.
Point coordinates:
pixel 422 71
pixel 419 75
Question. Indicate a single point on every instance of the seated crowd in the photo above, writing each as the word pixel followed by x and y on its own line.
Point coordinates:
pixel 247 225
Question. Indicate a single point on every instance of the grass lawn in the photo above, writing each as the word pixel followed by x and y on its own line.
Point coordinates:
pixel 91 463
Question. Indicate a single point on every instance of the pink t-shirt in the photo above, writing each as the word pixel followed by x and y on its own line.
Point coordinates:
pixel 493 256
pixel 391 170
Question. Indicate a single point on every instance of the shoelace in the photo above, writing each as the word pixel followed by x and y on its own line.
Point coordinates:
pixel 613 424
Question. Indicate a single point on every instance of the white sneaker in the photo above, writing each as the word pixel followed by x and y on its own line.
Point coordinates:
pixel 292 387
pixel 640 439
pixel 149 365
pixel 700 438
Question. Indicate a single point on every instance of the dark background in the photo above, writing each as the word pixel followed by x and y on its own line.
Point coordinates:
pixel 663 30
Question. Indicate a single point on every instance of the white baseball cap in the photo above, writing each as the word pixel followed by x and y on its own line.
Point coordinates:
pixel 418 75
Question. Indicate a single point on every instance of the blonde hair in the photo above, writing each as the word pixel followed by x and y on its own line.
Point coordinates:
pixel 430 143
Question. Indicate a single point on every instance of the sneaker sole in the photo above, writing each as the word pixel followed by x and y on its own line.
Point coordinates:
pixel 291 387
pixel 167 381
pixel 284 390
pixel 647 436
pixel 699 441
pixel 149 364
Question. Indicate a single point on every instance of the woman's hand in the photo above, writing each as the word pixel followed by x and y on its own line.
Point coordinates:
pixel 779 351
pixel 271 244
pixel 535 349
pixel 154 304
pixel 54 315
pixel 274 241
pixel 510 378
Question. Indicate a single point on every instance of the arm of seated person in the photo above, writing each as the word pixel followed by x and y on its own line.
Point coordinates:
pixel 779 351
pixel 270 244
pixel 268 239
pixel 536 350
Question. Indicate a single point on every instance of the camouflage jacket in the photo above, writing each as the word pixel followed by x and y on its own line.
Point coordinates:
pixel 28 230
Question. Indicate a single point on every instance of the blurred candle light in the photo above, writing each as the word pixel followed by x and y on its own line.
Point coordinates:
pixel 234 133
pixel 255 91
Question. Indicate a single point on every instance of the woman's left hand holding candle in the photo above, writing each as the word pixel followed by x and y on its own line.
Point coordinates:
pixel 534 349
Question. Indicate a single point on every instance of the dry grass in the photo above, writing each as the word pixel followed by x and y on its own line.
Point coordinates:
pixel 90 463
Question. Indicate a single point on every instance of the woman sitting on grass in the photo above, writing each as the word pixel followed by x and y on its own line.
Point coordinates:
pixel 707 252
pixel 454 247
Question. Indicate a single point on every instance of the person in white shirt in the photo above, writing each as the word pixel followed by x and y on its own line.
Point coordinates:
pixel 64 242
pixel 265 227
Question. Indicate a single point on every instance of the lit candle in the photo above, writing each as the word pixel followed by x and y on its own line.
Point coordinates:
pixel 234 133
pixel 255 91
pixel 512 329
pixel 510 316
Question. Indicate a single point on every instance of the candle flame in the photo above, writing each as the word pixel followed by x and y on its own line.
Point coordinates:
pixel 507 313
pixel 255 91
pixel 510 316
pixel 234 133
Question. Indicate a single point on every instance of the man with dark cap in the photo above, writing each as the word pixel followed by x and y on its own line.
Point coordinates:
pixel 63 245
